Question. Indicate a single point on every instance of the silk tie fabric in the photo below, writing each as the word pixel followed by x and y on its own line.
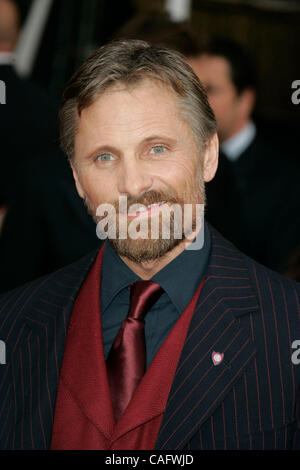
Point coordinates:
pixel 126 362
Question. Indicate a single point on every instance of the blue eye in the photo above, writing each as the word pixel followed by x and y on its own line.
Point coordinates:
pixel 158 149
pixel 104 157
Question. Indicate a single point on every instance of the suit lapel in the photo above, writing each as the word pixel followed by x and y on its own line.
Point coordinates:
pixel 199 386
pixel 37 354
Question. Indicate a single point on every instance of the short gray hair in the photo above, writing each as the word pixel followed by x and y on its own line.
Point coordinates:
pixel 129 62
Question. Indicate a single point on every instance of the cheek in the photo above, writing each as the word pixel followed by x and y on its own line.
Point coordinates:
pixel 181 174
pixel 96 187
pixel 222 103
pixel 220 107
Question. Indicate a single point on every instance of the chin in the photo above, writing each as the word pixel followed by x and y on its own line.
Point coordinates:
pixel 141 250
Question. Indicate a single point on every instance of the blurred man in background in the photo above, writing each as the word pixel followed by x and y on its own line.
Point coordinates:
pixel 28 126
pixel 227 72
pixel 9 29
pixel 265 174
pixel 28 121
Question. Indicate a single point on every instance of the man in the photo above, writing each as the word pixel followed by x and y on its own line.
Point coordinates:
pixel 28 124
pixel 265 172
pixel 9 25
pixel 215 368
pixel 48 192
pixel 28 117
pixel 227 71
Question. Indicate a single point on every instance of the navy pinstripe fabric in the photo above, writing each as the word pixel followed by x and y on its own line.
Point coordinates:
pixel 249 401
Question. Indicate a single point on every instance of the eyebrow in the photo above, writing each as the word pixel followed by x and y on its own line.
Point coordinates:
pixel 147 140
pixel 157 138
pixel 102 148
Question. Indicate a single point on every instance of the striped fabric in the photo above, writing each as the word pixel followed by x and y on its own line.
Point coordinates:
pixel 248 401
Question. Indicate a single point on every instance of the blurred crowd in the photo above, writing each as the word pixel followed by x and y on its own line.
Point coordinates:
pixel 253 199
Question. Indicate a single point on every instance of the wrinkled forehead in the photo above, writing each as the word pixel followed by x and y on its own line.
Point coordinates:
pixel 125 118
pixel 147 102
pixel 151 97
pixel 150 102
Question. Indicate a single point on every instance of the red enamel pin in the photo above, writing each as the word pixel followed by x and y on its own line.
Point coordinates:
pixel 217 357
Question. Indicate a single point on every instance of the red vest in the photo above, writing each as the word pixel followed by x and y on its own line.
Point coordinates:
pixel 84 417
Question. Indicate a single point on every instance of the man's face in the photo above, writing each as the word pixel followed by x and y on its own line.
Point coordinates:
pixel 133 142
pixel 214 73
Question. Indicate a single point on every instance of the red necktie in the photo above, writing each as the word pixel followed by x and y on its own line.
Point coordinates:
pixel 126 362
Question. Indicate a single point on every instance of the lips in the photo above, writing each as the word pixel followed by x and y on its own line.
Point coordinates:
pixel 144 211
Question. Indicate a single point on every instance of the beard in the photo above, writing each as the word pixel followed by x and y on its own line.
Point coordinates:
pixel 145 247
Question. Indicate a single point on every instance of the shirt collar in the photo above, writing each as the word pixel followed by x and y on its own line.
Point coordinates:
pixel 237 144
pixel 7 58
pixel 116 275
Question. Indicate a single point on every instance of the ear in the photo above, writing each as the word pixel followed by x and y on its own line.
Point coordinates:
pixel 77 180
pixel 247 102
pixel 211 158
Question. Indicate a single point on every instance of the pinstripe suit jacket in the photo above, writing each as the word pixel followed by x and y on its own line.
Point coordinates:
pixel 249 401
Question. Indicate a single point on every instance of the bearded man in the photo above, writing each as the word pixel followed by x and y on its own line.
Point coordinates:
pixel 167 337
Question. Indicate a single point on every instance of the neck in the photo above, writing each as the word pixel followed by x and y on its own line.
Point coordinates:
pixel 240 125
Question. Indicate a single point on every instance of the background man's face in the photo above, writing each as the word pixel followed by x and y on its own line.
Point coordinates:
pixel 9 25
pixel 133 142
pixel 214 73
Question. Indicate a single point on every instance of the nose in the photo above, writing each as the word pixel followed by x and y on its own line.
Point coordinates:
pixel 134 179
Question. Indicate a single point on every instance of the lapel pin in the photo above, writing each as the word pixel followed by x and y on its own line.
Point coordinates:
pixel 217 358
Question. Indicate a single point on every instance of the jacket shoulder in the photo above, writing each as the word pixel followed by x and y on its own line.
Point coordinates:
pixel 277 295
pixel 273 290
pixel 262 275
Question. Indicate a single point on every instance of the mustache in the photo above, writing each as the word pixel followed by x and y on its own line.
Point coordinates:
pixel 147 198
pixel 150 197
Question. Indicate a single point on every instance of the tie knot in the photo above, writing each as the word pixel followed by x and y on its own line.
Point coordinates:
pixel 143 295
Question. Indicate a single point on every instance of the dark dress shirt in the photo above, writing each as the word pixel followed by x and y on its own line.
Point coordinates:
pixel 179 279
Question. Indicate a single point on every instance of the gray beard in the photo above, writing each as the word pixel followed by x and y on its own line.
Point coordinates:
pixel 140 250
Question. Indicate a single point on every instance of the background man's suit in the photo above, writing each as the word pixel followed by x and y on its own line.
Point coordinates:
pixel 249 401
pixel 267 177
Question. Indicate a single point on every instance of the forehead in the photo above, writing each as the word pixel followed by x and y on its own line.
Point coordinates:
pixel 126 117
pixel 129 114
pixel 142 97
